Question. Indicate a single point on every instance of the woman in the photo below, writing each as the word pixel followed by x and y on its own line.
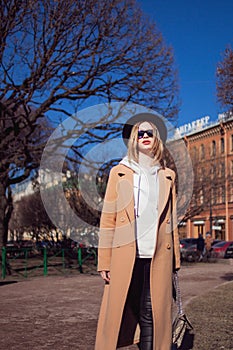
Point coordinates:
pixel 136 255
pixel 208 245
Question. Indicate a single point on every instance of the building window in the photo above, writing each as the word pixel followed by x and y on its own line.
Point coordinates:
pixel 223 193
pixel 213 152
pixel 199 173
pixel 202 174
pixel 201 197
pixel 213 172
pixel 232 142
pixel 213 196
pixel 222 170
pixel 219 195
pixel 231 170
pixel 222 148
pixel 202 151
pixel 194 152
pixel 231 193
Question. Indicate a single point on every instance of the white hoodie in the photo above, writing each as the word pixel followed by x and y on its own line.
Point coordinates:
pixel 146 191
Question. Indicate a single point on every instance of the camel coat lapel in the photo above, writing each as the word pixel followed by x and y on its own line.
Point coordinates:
pixel 126 190
pixel 165 181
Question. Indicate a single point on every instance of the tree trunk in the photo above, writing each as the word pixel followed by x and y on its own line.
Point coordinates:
pixel 4 215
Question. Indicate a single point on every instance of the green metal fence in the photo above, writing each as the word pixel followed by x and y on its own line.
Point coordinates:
pixel 27 262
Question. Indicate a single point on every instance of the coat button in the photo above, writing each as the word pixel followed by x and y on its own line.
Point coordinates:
pixel 168 246
pixel 122 219
pixel 168 221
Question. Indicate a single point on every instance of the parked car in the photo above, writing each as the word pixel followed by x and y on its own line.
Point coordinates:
pixel 12 248
pixel 216 241
pixel 12 244
pixel 220 248
pixel 190 253
pixel 186 243
pixel 189 241
pixel 229 252
pixel 27 243
pixel 188 249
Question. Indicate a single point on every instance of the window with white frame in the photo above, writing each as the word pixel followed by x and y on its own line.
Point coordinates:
pixel 222 145
pixel 213 151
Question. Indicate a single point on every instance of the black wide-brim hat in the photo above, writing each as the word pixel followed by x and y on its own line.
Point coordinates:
pixel 144 117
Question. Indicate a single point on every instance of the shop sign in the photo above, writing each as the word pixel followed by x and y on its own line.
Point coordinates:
pixel 195 125
pixel 215 227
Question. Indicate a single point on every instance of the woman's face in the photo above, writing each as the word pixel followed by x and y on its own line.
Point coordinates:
pixel 146 138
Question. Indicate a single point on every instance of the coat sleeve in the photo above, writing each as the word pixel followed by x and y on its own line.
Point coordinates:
pixel 107 224
pixel 175 230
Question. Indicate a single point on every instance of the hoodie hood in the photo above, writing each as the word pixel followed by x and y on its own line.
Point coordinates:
pixel 137 168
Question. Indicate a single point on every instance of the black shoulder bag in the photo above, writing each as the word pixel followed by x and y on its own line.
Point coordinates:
pixel 182 338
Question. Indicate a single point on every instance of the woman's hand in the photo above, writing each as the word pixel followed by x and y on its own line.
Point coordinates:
pixel 105 275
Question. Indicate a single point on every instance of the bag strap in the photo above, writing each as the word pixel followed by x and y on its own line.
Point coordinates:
pixel 172 229
pixel 175 276
pixel 178 293
pixel 179 301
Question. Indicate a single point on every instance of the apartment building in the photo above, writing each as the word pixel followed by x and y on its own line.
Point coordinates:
pixel 210 147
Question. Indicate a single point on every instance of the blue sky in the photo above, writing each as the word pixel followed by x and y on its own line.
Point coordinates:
pixel 199 31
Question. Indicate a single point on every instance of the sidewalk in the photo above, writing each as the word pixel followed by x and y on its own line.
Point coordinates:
pixel 61 312
pixel 212 318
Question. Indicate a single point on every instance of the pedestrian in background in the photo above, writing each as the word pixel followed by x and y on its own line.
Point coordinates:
pixel 136 255
pixel 200 246
pixel 208 244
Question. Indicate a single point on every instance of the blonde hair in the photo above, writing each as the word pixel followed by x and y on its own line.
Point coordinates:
pixel 157 149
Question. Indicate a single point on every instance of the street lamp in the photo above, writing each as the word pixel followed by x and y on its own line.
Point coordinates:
pixel 211 217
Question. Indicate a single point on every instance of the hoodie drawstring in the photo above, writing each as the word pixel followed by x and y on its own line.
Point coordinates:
pixel 138 196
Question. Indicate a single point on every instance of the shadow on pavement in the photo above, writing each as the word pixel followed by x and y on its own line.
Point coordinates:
pixel 3 283
pixel 228 276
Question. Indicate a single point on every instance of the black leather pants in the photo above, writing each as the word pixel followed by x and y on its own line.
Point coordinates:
pixel 145 314
pixel 140 302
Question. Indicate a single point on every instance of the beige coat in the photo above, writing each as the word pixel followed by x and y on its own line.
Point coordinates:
pixel 117 250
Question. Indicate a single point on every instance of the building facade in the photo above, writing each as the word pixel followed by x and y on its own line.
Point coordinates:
pixel 211 207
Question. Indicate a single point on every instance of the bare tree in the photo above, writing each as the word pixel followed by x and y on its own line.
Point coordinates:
pixel 21 145
pixel 57 55
pixel 225 79
pixel 30 216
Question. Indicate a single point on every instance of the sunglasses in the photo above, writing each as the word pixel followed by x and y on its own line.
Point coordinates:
pixel 141 133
